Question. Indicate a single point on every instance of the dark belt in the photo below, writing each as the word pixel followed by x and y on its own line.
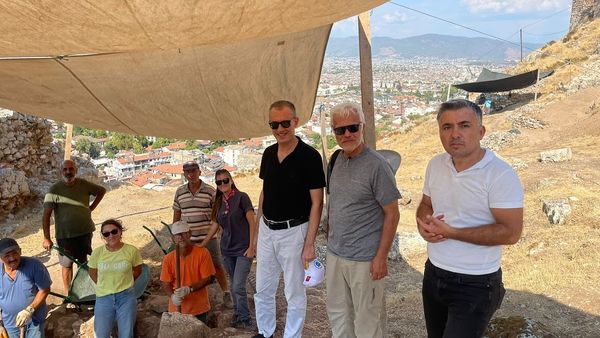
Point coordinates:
pixel 280 225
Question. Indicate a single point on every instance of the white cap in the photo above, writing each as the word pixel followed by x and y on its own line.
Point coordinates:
pixel 314 274
pixel 179 227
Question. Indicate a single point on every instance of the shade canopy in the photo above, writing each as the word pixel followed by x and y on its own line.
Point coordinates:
pixel 494 82
pixel 184 69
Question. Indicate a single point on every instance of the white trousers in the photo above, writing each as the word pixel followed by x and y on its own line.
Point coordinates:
pixel 280 250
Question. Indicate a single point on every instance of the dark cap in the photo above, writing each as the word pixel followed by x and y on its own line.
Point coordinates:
pixel 190 165
pixel 7 245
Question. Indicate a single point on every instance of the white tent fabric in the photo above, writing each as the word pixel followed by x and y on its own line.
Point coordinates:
pixel 184 69
pixel 64 27
pixel 216 92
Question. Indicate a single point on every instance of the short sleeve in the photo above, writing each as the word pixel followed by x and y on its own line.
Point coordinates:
pixel 384 185
pixel 95 189
pixel 316 175
pixel 136 257
pixel 426 189
pixel 166 272
pixel 506 192
pixel 50 199
pixel 245 203
pixel 176 205
pixel 93 261
pixel 42 277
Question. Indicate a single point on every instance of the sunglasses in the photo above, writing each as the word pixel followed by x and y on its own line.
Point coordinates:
pixel 223 181
pixel 353 128
pixel 285 124
pixel 112 232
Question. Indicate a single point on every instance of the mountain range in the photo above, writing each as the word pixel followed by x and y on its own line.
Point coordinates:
pixel 434 46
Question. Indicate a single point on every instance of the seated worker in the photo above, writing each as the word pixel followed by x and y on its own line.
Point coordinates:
pixel 196 273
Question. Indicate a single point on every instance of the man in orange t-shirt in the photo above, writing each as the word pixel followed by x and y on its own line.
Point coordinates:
pixel 196 272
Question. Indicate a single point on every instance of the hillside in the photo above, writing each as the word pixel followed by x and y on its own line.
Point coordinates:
pixel 551 274
pixel 431 46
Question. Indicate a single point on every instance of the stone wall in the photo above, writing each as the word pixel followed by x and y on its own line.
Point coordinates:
pixel 30 161
pixel 582 11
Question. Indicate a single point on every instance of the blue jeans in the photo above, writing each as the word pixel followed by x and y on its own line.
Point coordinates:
pixel 458 305
pixel 238 268
pixel 120 307
pixel 32 331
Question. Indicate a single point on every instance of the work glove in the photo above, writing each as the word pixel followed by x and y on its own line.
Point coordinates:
pixel 176 299
pixel 3 333
pixel 182 291
pixel 24 316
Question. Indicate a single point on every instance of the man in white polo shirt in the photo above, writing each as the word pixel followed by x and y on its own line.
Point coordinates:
pixel 472 205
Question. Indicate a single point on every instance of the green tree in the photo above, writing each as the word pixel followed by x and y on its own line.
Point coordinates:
pixel 191 144
pixel 88 147
pixel 162 142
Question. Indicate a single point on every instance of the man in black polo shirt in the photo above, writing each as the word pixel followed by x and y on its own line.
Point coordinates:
pixel 289 212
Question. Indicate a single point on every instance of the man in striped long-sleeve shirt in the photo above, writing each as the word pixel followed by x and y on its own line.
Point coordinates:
pixel 193 204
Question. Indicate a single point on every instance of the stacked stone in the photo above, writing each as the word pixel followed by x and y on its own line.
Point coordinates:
pixel 26 144
pixel 27 159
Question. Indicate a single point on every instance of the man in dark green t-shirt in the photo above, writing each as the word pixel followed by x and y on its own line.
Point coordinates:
pixel 73 225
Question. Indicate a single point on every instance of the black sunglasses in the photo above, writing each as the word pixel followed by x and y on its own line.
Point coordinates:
pixel 353 128
pixel 285 124
pixel 108 233
pixel 223 181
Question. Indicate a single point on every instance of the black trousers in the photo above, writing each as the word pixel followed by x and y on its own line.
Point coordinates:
pixel 458 305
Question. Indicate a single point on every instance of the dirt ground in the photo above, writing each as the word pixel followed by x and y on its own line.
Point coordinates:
pixel 551 275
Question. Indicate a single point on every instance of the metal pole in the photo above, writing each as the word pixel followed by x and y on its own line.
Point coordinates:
pixel 521 34
pixel 448 95
pixel 366 77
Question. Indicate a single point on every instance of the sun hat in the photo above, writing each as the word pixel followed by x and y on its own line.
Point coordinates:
pixel 314 273
pixel 179 227
pixel 7 245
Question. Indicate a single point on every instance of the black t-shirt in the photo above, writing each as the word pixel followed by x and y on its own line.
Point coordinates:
pixel 235 238
pixel 287 185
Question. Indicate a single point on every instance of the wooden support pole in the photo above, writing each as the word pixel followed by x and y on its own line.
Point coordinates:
pixel 366 77
pixel 68 140
pixel 537 85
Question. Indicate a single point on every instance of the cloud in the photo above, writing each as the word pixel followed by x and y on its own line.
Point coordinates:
pixel 395 17
pixel 514 6
pixel 346 27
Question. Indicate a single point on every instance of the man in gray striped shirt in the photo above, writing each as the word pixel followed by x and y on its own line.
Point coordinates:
pixel 193 204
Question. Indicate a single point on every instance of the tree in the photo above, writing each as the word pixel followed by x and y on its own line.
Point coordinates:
pixel 86 146
pixel 191 144
pixel 162 142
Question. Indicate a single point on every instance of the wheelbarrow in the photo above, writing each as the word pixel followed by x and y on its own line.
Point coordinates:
pixel 83 288
pixel 167 250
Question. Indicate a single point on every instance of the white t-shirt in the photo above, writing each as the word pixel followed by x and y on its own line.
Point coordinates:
pixel 465 199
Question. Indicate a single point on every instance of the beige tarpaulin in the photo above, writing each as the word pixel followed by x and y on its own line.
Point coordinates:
pixel 185 69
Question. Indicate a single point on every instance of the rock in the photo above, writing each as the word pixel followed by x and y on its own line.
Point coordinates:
pixel 147 325
pixel 498 140
pixel 517 326
pixel 518 164
pixel 174 324
pixel 557 210
pixel 86 329
pixel 556 155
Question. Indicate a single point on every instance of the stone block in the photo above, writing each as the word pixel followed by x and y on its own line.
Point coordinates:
pixel 556 155
pixel 175 324
pixel 557 210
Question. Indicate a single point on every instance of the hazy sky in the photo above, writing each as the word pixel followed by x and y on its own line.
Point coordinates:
pixel 502 18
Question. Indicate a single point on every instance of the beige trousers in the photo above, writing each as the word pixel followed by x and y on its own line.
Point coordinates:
pixel 355 302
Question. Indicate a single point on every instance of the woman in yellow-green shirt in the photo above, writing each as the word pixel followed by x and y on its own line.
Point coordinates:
pixel 114 267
